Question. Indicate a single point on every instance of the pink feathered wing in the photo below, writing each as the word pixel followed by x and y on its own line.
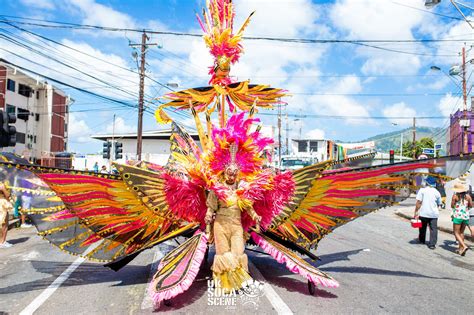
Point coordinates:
pixel 269 193
pixel 175 277
pixel 293 262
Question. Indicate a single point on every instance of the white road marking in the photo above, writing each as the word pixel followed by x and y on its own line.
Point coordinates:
pixel 147 301
pixel 276 301
pixel 40 299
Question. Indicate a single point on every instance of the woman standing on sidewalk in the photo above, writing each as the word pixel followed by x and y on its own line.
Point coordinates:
pixel 5 206
pixel 460 204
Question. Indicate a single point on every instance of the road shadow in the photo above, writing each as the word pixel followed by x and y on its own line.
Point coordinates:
pixel 386 272
pixel 341 256
pixel 280 276
pixel 86 273
pixel 415 241
pixel 18 240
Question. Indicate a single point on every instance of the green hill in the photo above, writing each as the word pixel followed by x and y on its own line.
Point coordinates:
pixel 391 140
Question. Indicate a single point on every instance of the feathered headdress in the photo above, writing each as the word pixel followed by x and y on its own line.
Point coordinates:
pixel 237 144
pixel 224 46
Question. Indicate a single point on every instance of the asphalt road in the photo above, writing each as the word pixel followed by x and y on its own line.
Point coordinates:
pixel 379 267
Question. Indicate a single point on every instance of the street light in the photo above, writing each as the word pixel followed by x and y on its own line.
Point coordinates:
pixel 431 3
pixel 456 4
pixel 436 68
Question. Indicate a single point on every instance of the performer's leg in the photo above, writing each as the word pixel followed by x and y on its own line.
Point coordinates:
pixel 238 246
pixel 227 268
pixel 221 239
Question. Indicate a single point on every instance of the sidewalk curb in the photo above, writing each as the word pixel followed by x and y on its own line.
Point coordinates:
pixel 443 229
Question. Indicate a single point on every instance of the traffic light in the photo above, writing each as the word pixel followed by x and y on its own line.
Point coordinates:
pixel 118 150
pixel 7 132
pixel 392 156
pixel 106 150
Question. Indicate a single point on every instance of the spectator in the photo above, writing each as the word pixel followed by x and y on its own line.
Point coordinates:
pixel 103 170
pixel 460 204
pixel 114 170
pixel 96 167
pixel 25 205
pixel 427 201
pixel 5 206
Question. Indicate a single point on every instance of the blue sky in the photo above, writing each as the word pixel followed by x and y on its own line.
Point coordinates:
pixel 332 79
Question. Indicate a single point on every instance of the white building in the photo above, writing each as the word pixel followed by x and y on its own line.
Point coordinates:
pixel 41 110
pixel 155 146
pixel 316 149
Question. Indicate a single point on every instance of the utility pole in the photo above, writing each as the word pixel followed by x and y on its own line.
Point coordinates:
pixel 414 138
pixel 401 146
pixel 141 92
pixel 464 96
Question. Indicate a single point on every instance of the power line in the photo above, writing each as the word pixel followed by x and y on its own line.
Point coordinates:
pixel 373 94
pixel 428 11
pixel 353 116
pixel 68 85
pixel 293 40
pixel 86 54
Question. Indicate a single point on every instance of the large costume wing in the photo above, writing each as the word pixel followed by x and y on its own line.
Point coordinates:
pixel 322 204
pixel 101 209
pixel 169 195
pixel 178 269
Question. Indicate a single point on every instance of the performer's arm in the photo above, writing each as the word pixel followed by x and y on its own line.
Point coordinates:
pixel 251 212
pixel 211 203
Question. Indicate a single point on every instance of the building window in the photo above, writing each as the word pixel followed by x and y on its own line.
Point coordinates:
pixel 302 146
pixel 11 109
pixel 313 146
pixel 37 117
pixel 11 85
pixel 34 139
pixel 24 90
pixel 23 114
pixel 20 137
pixel 37 95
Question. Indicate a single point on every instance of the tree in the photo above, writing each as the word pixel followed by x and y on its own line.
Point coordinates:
pixel 419 145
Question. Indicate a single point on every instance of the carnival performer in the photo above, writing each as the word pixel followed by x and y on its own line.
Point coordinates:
pixel 230 267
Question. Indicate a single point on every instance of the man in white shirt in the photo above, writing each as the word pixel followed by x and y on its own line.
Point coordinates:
pixel 427 201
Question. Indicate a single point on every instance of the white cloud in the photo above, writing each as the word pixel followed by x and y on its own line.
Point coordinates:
pixel 449 52
pixel 334 103
pixel 399 110
pixel 78 130
pixel 368 19
pixel 98 14
pixel 316 134
pixel 448 104
pixel 120 127
pixel 432 83
pixel 41 4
